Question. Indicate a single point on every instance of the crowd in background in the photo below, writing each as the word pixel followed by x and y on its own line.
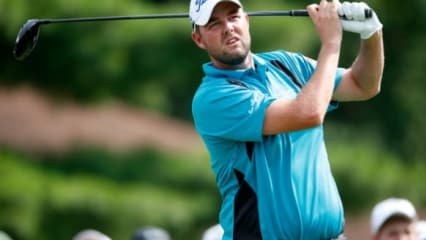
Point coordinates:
pixel 391 219
pixel 396 219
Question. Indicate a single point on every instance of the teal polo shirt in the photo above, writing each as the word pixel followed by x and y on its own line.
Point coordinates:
pixel 272 187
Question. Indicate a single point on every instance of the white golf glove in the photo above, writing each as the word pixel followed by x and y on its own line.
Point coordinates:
pixel 356 21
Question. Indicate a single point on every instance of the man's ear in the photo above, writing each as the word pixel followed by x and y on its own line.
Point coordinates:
pixel 196 37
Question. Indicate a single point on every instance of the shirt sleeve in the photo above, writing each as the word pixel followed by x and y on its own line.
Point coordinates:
pixel 230 111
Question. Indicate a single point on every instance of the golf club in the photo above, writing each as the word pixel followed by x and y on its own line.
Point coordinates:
pixel 29 32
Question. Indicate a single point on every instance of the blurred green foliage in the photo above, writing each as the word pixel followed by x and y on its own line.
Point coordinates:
pixel 367 171
pixel 376 148
pixel 154 63
pixel 50 196
pixel 53 197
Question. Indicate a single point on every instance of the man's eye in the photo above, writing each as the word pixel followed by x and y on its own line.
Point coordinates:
pixel 212 24
pixel 235 16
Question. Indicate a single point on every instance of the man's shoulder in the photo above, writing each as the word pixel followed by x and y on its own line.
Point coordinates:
pixel 211 87
pixel 281 55
pixel 273 54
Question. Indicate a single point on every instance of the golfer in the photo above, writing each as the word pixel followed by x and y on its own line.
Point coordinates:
pixel 261 118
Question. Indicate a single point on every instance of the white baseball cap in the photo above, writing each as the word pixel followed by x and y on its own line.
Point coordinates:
pixel 389 208
pixel 201 10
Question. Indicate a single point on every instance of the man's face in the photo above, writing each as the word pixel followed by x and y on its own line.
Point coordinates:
pixel 398 229
pixel 226 36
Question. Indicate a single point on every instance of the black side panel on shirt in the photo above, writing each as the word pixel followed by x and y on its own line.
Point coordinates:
pixel 249 149
pixel 287 71
pixel 246 216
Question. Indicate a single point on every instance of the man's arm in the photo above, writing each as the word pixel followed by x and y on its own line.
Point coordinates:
pixel 363 79
pixel 359 82
pixel 310 106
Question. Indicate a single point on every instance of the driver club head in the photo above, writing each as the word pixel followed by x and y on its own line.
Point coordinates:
pixel 26 39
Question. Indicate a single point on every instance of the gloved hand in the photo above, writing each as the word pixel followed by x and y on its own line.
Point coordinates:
pixel 356 21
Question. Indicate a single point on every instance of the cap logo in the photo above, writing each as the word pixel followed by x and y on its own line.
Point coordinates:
pixel 199 4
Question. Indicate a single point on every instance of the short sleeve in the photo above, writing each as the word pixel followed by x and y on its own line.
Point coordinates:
pixel 230 111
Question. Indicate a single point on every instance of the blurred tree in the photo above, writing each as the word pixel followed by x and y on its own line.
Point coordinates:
pixel 154 64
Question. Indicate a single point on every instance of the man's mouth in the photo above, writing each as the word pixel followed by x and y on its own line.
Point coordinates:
pixel 232 41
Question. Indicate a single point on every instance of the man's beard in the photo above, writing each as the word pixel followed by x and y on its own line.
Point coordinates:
pixel 232 60
pixel 235 58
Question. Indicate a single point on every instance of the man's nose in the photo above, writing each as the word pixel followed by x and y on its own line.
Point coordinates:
pixel 229 27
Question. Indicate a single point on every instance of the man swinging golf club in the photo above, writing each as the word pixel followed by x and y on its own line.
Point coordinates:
pixel 261 116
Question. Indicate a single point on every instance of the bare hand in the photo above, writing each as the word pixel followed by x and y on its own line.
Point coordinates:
pixel 327 22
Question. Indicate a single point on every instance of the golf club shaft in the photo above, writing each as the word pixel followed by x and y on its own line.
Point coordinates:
pixel 293 13
pixel 28 34
pixel 162 16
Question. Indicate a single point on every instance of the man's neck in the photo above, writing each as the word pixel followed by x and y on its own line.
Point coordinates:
pixel 246 64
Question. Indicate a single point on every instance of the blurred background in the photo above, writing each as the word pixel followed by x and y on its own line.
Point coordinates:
pixel 96 128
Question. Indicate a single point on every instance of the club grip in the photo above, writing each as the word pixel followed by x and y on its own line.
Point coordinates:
pixel 298 13
pixel 368 12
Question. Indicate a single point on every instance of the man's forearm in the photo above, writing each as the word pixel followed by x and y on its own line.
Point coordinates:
pixel 367 69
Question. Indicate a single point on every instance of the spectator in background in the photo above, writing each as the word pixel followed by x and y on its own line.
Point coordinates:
pixel 151 233
pixel 214 232
pixel 91 234
pixel 4 236
pixel 421 229
pixel 394 219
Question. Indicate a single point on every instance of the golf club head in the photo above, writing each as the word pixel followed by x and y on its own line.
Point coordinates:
pixel 26 39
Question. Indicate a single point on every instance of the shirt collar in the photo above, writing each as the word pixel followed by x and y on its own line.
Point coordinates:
pixel 212 71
